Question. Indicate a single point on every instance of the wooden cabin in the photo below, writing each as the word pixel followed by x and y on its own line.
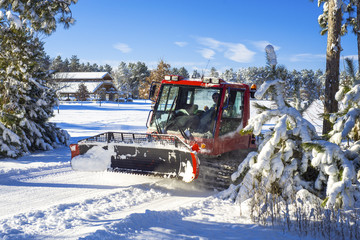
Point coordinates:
pixel 100 85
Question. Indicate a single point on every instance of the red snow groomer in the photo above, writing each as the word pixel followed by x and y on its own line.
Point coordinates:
pixel 191 119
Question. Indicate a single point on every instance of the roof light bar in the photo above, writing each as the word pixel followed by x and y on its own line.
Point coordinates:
pixel 211 80
pixel 171 77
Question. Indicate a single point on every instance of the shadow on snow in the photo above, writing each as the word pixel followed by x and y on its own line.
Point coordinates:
pixel 174 225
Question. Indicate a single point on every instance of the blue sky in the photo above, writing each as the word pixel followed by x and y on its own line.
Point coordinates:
pixel 195 33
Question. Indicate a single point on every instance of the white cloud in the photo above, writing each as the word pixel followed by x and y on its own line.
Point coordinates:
pixel 238 53
pixel 207 53
pixel 210 43
pixel 181 44
pixel 260 45
pixel 234 51
pixel 307 57
pixel 122 47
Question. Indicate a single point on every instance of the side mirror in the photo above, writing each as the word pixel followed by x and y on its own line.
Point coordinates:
pixel 152 91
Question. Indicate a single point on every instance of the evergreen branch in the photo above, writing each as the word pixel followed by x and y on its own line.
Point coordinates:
pixel 350 69
pixel 261 108
pixel 310 146
pixel 243 132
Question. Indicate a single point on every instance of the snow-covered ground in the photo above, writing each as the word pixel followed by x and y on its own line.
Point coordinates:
pixel 43 198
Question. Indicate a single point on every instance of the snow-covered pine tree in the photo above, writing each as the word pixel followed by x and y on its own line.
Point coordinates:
pixel 229 75
pixel 25 103
pixel 214 72
pixel 292 157
pixel 252 75
pixel 121 77
pixel 347 120
pixel 303 87
pixel 139 72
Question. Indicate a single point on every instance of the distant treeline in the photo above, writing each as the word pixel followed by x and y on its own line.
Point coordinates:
pixel 133 79
pixel 73 65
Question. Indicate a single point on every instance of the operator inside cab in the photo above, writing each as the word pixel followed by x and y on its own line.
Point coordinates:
pixel 215 97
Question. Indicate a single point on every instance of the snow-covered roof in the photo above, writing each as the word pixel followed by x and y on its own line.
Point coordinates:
pixel 82 75
pixel 72 87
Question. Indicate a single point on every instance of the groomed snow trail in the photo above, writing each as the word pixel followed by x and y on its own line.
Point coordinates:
pixel 51 199
pixel 43 198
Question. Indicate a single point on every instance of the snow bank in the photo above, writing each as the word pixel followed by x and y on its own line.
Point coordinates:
pixel 95 160
pixel 188 173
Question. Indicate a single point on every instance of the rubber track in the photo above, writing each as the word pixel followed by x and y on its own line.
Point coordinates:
pixel 215 172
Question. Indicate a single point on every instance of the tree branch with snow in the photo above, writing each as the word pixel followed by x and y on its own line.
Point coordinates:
pixel 292 157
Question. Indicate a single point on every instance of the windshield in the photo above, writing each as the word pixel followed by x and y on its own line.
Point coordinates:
pixel 186 109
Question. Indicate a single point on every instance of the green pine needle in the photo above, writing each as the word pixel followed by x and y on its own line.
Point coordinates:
pixel 310 146
pixel 261 108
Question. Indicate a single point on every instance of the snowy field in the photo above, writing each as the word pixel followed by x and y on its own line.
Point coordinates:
pixel 43 198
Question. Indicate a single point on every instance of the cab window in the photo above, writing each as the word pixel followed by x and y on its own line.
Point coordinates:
pixel 232 114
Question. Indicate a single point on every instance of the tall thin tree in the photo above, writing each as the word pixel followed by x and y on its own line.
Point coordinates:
pixel 331 23
pixel 333 50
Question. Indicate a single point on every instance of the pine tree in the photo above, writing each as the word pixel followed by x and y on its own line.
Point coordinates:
pixel 183 72
pixel 139 73
pixel 74 64
pixel 82 94
pixel 95 67
pixel 174 71
pixel 121 77
pixel 303 87
pixel 39 16
pixel 57 64
pixel 353 7
pixel 229 75
pixel 195 74
pixel 252 75
pixel 25 103
pixel 66 65
pixel 214 72
pixel 347 120
pixel 107 68
pixel 292 157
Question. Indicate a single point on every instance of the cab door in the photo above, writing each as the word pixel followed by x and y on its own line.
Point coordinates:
pixel 232 113
pixel 231 122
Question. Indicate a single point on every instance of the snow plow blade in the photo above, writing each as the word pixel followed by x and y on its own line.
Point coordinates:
pixel 146 154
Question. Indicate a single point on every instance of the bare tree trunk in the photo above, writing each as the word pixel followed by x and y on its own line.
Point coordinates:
pixel 332 63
